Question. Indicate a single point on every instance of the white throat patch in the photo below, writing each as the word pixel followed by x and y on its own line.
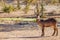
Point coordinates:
pixel 38 17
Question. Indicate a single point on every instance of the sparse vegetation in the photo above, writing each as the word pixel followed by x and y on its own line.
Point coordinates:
pixel 26 9
pixel 18 4
pixel 28 2
pixel 54 1
pixel 8 9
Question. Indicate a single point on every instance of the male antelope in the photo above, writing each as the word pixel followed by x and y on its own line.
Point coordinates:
pixel 50 22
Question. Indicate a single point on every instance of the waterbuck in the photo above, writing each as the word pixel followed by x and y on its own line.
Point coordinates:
pixel 50 22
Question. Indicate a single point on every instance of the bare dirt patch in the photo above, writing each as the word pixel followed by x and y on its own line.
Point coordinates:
pixel 23 33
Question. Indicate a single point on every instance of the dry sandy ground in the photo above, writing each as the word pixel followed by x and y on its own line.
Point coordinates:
pixel 17 32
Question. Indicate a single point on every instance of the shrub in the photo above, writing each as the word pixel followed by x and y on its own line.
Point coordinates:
pixel 26 8
pixel 8 9
pixel 11 8
pixel 54 1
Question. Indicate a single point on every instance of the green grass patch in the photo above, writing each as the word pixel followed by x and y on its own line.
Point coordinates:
pixel 21 19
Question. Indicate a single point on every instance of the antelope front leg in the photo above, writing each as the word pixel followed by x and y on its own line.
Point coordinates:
pixel 42 31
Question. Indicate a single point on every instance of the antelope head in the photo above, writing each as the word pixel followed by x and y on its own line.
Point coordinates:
pixel 37 17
